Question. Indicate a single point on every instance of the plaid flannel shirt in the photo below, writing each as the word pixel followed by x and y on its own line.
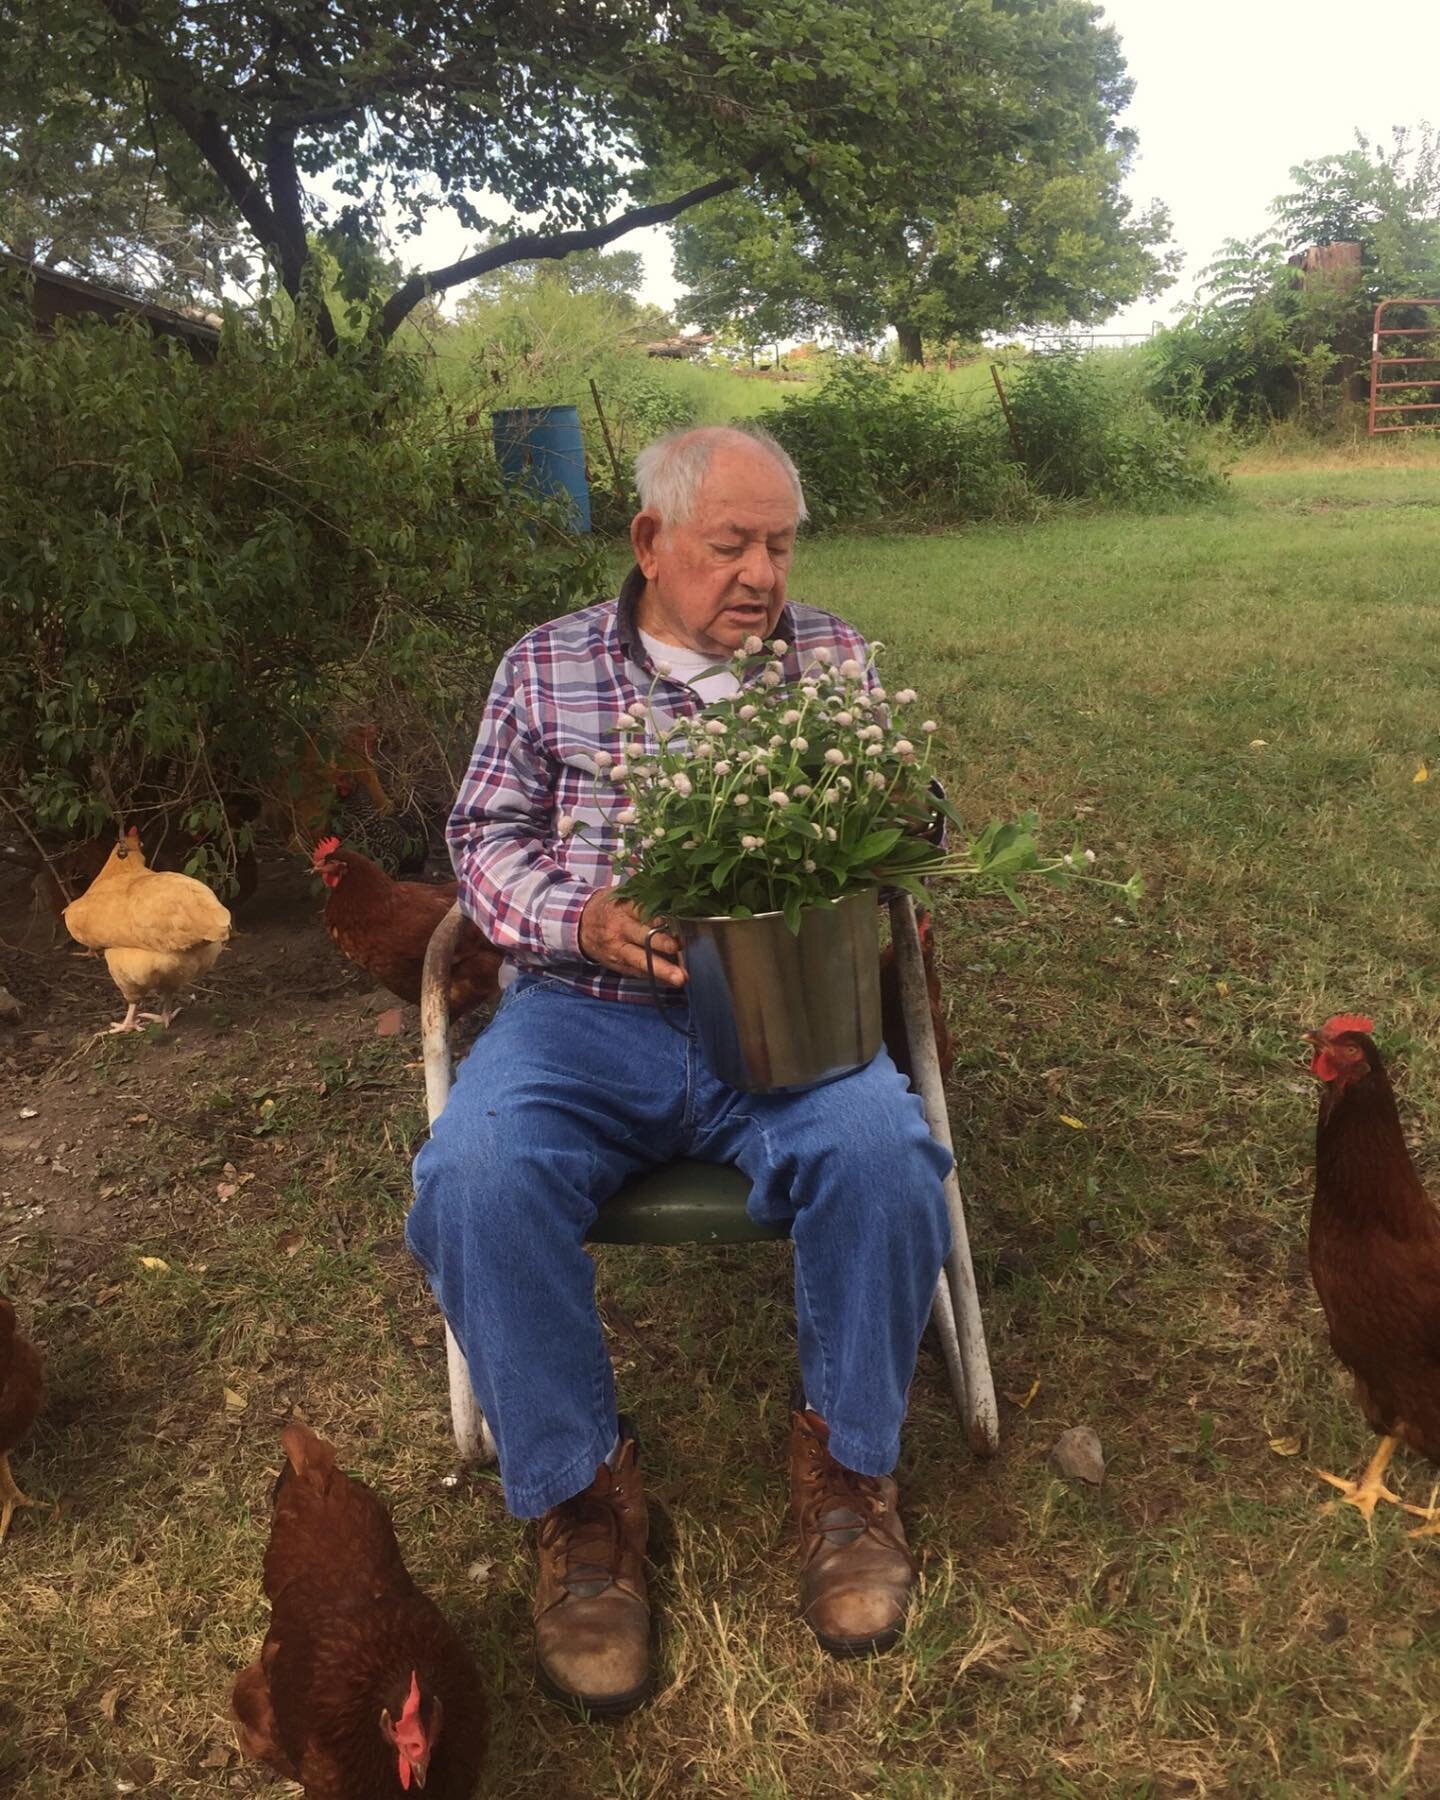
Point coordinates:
pixel 555 702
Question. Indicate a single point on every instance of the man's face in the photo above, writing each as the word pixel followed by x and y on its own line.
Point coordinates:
pixel 720 577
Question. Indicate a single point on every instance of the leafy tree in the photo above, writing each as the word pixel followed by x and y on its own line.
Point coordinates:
pixel 1264 339
pixel 590 120
pixel 81 190
pixel 1020 223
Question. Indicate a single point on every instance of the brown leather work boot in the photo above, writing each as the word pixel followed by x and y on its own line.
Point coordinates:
pixel 856 1570
pixel 592 1617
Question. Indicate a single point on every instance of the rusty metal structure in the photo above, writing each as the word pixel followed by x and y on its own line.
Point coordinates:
pixel 55 295
pixel 1380 382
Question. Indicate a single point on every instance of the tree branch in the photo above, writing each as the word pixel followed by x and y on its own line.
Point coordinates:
pixel 531 247
pixel 169 79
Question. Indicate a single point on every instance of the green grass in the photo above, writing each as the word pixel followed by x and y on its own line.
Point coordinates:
pixel 1236 703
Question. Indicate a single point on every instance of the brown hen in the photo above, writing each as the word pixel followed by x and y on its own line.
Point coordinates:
pixel 1374 1255
pixel 384 926
pixel 21 1386
pixel 362 1688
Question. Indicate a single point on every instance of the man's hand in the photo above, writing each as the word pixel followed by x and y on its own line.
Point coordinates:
pixel 612 933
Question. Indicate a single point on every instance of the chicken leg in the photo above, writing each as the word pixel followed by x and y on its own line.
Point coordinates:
pixel 10 1497
pixel 1366 1493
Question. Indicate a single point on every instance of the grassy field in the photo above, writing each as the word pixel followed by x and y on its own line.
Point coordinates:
pixel 1235 702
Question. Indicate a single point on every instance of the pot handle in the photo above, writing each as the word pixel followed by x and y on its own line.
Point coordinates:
pixel 655 993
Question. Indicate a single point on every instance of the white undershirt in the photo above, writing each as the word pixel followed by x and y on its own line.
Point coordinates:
pixel 685 666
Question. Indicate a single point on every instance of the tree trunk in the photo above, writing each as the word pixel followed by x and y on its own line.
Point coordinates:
pixel 908 340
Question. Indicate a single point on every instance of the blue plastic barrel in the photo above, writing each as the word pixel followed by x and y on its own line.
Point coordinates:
pixel 541 447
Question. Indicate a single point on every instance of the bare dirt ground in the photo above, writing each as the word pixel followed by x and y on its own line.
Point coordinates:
pixel 68 1104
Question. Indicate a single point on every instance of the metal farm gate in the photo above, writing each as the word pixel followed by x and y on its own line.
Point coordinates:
pixel 1379 382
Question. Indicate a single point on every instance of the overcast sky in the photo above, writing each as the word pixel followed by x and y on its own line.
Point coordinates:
pixel 1229 95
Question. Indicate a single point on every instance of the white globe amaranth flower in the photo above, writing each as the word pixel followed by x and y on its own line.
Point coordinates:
pixel 808 865
pixel 620 772
pixel 626 723
pixel 844 783
pixel 903 747
pixel 682 784
pixel 564 825
pixel 752 645
pixel 776 740
pixel 874 749
pixel 779 646
pixel 659 831
pixel 1090 857
pixel 637 709
pixel 741 800
pixel 877 693
pixel 876 779
pixel 691 844
pixel 664 668
pixel 747 713
pixel 809 690
pixel 800 743
pixel 791 716
pixel 804 791
pixel 845 718
pixel 929 726
pixel 716 727
pixel 830 832
pixel 778 797
pixel 628 816
pixel 722 767
pixel 751 843
pixel 824 656
pixel 851 669
pixel 905 697
pixel 603 760
pixel 770 678
pixel 1068 860
pixel 836 758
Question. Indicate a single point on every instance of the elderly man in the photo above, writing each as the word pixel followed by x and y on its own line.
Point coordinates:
pixel 578 1083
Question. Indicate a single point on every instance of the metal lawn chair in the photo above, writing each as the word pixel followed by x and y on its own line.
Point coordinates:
pixel 702 1203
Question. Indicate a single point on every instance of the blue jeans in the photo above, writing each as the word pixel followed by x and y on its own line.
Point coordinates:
pixel 562 1098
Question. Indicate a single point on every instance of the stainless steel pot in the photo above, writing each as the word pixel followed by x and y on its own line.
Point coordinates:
pixel 777 1010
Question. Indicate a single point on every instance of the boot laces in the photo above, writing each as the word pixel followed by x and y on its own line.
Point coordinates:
pixel 587 1536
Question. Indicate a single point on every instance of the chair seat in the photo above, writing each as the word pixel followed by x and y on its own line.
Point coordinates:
pixel 682 1203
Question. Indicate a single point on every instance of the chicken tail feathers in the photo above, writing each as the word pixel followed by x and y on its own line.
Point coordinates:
pixel 307 1454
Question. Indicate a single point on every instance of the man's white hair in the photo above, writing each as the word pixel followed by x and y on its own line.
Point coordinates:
pixel 670 472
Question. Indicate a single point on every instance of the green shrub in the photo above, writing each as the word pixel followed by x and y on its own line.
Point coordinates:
pixel 206 568
pixel 1085 433
pixel 875 448
pixel 883 449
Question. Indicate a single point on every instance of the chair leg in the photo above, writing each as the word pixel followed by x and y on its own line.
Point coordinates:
pixel 975 1391
pixel 942 1317
pixel 472 1434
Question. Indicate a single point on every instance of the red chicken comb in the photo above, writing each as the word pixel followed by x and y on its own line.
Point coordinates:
pixel 326 847
pixel 1346 1022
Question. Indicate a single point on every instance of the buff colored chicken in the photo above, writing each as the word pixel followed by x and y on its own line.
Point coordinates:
pixel 159 931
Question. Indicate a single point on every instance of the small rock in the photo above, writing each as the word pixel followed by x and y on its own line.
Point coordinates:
pixel 1077 1455
pixel 10 1008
